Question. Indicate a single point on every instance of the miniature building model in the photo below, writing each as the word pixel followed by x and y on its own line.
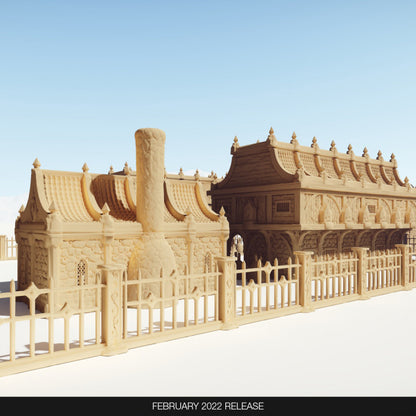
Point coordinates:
pixel 76 221
pixel 283 197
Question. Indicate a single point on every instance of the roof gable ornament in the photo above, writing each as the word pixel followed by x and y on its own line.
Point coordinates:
pixel 271 137
pixel 126 170
pixel 235 145
pixel 294 140
pixel 380 156
pixel 36 164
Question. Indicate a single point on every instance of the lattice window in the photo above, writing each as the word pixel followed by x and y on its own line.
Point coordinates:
pixel 82 271
pixel 208 263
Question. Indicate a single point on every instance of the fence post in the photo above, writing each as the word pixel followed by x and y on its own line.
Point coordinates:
pixel 404 265
pixel 362 254
pixel 305 279
pixel 227 291
pixel 3 247
pixel 112 307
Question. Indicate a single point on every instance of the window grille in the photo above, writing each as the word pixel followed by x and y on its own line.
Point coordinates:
pixel 82 273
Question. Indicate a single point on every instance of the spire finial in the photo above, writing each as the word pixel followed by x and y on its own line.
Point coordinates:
pixel 271 137
pixel 294 141
pixel 36 164
pixel 332 145
pixel 85 168
pixel 235 145
pixel 365 152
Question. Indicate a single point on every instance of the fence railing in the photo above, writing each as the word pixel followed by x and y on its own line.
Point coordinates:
pixel 8 248
pixel 116 313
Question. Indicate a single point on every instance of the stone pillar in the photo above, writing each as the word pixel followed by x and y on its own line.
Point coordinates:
pixel 362 254
pixel 227 291
pixel 153 253
pixel 404 265
pixel 112 308
pixel 150 171
pixel 3 247
pixel 305 279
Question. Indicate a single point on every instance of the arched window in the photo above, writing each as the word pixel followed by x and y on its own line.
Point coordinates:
pixel 82 271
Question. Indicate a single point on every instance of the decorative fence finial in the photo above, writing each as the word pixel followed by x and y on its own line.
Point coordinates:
pixel 332 148
pixel 85 168
pixel 36 164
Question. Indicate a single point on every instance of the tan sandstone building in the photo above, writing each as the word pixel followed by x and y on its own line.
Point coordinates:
pixel 75 222
pixel 278 198
pixel 284 197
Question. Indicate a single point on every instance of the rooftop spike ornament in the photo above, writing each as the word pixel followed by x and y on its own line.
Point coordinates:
pixel 235 145
pixel 271 137
pixel 294 140
pixel 36 164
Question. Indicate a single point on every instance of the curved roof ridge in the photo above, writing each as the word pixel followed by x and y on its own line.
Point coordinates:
pixel 354 167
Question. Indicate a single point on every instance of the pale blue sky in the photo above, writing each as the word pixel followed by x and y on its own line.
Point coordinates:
pixel 77 78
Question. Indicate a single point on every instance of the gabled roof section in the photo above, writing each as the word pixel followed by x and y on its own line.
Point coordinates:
pixel 79 197
pixel 272 162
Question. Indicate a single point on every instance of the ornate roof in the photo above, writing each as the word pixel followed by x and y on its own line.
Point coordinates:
pixel 272 161
pixel 81 197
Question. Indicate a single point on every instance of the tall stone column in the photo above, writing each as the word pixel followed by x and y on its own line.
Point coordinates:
pixel 153 254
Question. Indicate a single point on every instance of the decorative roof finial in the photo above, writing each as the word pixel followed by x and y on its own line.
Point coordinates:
pixel 236 145
pixel 271 137
pixel 332 146
pixel 181 174
pixel 85 168
pixel 111 171
pixel 294 141
pixel 126 169
pixel 365 152
pixel 349 149
pixel 36 164
pixel 314 142
pixel 379 155
pixel 197 176
pixel 392 157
